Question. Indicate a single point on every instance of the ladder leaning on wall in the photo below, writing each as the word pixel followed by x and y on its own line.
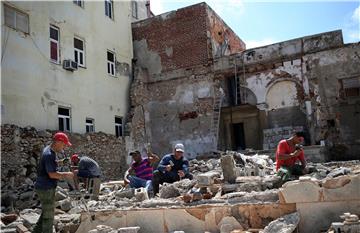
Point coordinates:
pixel 218 98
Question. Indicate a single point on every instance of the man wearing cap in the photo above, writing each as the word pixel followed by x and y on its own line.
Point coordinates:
pixel 288 153
pixel 46 182
pixel 84 167
pixel 172 168
pixel 142 167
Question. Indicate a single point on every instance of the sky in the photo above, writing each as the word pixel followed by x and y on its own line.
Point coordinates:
pixel 265 22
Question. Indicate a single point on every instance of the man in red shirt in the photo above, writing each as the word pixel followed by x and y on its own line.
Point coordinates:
pixel 287 153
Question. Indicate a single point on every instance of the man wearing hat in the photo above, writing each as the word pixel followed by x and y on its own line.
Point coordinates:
pixel 288 152
pixel 46 182
pixel 85 168
pixel 172 168
pixel 142 169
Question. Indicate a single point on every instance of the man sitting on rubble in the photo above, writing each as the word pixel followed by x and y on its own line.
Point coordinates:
pixel 172 168
pixel 143 169
pixel 84 168
pixel 287 153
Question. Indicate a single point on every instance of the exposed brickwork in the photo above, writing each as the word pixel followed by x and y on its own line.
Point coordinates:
pixel 21 149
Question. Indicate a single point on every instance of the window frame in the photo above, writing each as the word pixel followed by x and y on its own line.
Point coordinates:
pixel 90 125
pixel 64 117
pixel 57 44
pixel 111 63
pixel 76 2
pixel 348 89
pixel 16 11
pixel 110 13
pixel 134 5
pixel 119 129
pixel 79 51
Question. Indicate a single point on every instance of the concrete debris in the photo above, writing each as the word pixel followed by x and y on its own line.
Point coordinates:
pixel 141 194
pixel 169 191
pixel 228 168
pixel 285 224
pixel 351 224
pixel 339 172
pixel 125 193
pixel 228 224
pixel 107 229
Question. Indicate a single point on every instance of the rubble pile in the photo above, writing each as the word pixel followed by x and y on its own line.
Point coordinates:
pixel 350 224
pixel 107 229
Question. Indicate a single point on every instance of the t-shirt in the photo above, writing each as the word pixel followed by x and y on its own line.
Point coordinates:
pixel 143 169
pixel 89 166
pixel 46 164
pixel 284 148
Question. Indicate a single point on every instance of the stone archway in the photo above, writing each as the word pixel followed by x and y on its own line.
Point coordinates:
pixel 282 94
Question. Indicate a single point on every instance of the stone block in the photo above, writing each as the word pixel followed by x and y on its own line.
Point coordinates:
pixel 141 194
pixel 22 229
pixel 350 190
pixel 207 179
pixel 285 224
pixel 228 168
pixel 30 219
pixel 301 191
pixel 338 182
pixel 229 221
pixel 128 229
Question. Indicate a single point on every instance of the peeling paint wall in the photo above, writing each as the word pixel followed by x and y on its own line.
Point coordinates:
pixel 336 117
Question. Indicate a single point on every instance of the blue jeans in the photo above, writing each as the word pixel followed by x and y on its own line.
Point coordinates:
pixel 136 182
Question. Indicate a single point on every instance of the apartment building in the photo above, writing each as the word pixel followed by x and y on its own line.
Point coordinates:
pixel 67 65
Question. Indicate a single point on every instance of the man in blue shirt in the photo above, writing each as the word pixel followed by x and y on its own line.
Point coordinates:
pixel 172 168
pixel 46 182
pixel 84 167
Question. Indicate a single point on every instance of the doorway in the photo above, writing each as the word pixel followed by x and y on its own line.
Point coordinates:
pixel 239 136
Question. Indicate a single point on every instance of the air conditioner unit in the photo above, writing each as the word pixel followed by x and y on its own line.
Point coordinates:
pixel 70 65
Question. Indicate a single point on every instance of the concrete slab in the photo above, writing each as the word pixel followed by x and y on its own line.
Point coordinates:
pixel 176 220
pixel 350 191
pixel 149 221
pixel 301 191
pixel 315 217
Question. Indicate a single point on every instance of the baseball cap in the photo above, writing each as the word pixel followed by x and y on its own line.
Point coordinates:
pixel 59 136
pixel 179 147
pixel 74 157
pixel 135 152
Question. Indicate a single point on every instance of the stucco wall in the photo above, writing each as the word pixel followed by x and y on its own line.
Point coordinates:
pixel 33 87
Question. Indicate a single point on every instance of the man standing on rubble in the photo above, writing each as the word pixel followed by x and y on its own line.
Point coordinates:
pixel 172 168
pixel 143 169
pixel 287 153
pixel 85 168
pixel 46 182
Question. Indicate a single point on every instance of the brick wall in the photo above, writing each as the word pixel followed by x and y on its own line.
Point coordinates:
pixel 21 149
pixel 178 37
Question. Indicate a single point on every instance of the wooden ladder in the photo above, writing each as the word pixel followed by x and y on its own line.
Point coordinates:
pixel 218 98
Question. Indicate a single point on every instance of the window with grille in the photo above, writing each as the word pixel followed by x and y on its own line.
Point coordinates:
pixel 64 119
pixel 109 9
pixel 351 87
pixel 111 63
pixel 79 52
pixel 118 127
pixel 54 44
pixel 80 3
pixel 16 19
pixel 90 126
pixel 134 8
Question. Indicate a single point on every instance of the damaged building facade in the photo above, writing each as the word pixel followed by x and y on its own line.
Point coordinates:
pixel 196 83
pixel 57 73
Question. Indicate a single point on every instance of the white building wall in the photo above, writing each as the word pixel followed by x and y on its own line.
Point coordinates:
pixel 33 87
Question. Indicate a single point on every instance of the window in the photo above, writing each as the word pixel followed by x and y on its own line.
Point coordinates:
pixel 90 127
pixel 54 44
pixel 351 87
pixel 79 52
pixel 16 19
pixel 118 127
pixel 111 63
pixel 64 119
pixel 134 9
pixel 80 3
pixel 109 9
